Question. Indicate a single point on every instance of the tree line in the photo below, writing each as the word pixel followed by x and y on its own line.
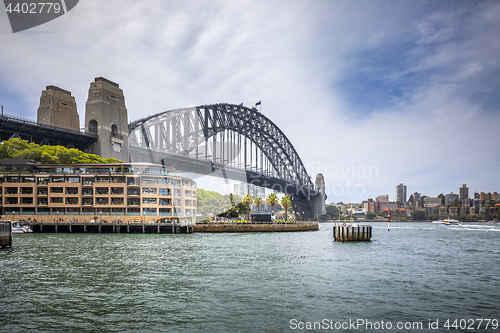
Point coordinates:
pixel 232 206
pixel 16 148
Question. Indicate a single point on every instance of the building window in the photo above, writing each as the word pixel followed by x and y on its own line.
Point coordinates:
pixel 28 179
pixel 88 181
pixel 149 201
pixel 119 180
pixel 43 180
pixel 102 201
pixel 102 180
pixel 56 200
pixel 133 191
pixel 71 201
pixel 165 191
pixel 163 181
pixel 101 190
pixel 73 180
pixel 11 201
pixel 71 190
pixel 11 179
pixel 177 193
pixel 56 190
pixel 148 190
pixel 26 190
pixel 58 179
pixel 165 211
pixel 88 191
pixel 164 202
pixel 177 202
pixel 176 182
pixel 27 201
pixel 43 201
pixel 117 201
pixel 149 211
pixel 42 191
pixel 133 211
pixel 117 190
pixel 133 181
pixel 148 180
pixel 133 202
pixel 11 190
pixel 87 201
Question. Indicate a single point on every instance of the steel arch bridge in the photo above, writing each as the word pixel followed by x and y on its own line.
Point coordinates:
pixel 238 141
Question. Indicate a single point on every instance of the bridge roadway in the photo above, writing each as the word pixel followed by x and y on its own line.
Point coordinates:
pixel 303 197
pixel 14 127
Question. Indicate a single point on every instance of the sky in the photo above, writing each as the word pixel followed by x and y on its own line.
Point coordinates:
pixel 371 93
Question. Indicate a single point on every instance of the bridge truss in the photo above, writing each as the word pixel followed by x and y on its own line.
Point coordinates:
pixel 233 138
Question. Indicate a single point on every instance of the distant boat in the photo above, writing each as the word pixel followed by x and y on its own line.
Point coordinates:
pixel 449 221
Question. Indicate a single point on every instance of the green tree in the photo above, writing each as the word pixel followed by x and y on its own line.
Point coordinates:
pixel 332 213
pixel 442 197
pixel 286 202
pixel 272 200
pixel 418 215
pixel 371 216
pixel 246 202
pixel 22 149
pixel 258 202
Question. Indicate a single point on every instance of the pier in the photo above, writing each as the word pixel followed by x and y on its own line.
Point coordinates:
pixel 255 226
pixel 5 234
pixel 352 232
pixel 112 227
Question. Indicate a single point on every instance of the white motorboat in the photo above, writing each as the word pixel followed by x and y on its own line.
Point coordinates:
pixel 449 221
pixel 17 228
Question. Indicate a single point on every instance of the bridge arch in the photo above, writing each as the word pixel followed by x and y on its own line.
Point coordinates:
pixel 184 132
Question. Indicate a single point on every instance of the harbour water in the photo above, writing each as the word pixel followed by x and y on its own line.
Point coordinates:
pixel 253 282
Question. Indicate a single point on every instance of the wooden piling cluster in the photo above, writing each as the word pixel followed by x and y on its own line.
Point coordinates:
pixel 5 234
pixel 132 228
pixel 347 233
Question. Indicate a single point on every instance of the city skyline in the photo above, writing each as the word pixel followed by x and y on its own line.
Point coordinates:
pixel 388 198
pixel 371 94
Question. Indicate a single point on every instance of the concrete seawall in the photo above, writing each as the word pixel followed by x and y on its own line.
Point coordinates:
pixel 257 227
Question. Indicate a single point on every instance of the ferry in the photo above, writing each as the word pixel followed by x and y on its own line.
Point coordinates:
pixel 449 221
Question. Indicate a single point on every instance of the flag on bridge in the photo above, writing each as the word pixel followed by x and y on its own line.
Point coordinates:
pixel 241 104
pixel 258 103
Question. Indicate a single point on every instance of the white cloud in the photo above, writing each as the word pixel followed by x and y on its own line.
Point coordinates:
pixel 294 56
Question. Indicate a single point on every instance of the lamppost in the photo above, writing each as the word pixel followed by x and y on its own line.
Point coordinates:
pixel 100 216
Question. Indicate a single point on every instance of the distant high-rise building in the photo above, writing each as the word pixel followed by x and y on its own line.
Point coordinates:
pixel 416 198
pixel 58 108
pixel 401 193
pixel 464 192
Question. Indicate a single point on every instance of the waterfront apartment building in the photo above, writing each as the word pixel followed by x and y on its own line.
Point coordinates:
pixel 464 192
pixel 451 198
pixel 401 193
pixel 432 202
pixel 124 189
